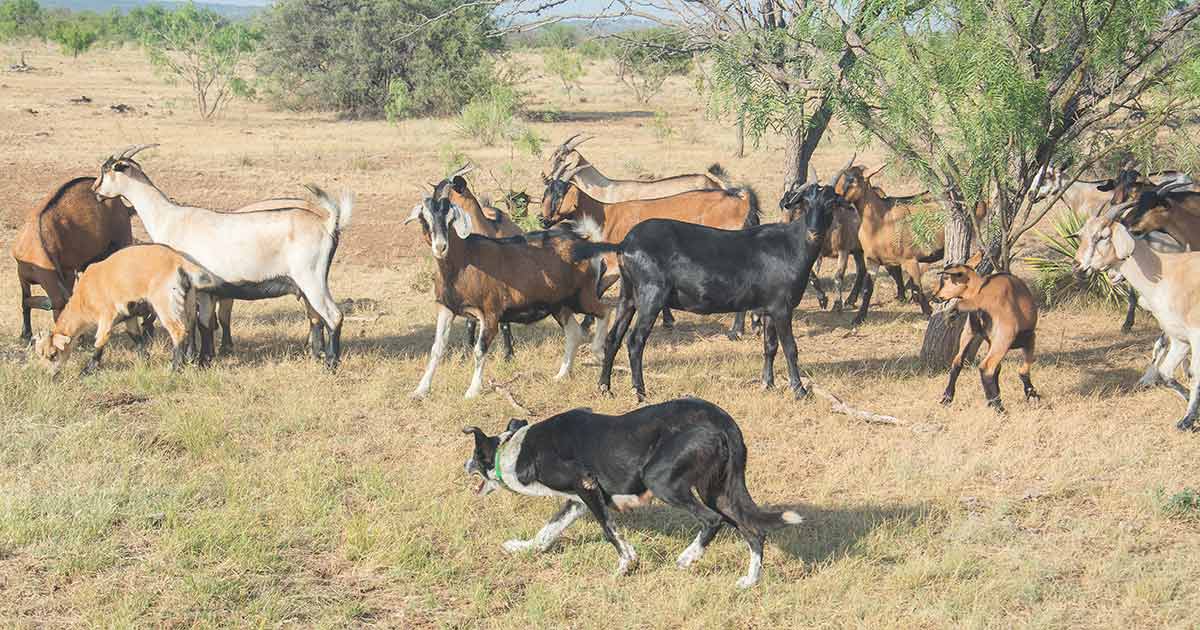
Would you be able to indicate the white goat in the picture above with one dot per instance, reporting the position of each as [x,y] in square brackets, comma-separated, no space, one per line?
[282,247]
[1168,285]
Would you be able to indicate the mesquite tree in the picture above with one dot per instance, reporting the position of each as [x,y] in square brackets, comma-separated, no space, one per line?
[978,98]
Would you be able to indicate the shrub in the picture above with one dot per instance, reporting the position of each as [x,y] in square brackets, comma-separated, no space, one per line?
[384,57]
[75,36]
[490,118]
[566,66]
[1055,271]
[1183,504]
[20,19]
[644,59]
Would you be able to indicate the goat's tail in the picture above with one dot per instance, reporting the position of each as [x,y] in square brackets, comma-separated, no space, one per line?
[592,244]
[754,213]
[188,284]
[741,504]
[340,210]
[720,176]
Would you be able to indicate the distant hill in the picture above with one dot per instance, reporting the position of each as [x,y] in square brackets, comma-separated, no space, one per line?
[234,11]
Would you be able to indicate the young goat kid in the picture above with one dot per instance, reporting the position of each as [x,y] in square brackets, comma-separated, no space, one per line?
[519,279]
[705,270]
[1001,311]
[130,283]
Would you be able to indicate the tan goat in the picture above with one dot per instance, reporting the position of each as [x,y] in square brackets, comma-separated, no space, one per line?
[131,282]
[1001,311]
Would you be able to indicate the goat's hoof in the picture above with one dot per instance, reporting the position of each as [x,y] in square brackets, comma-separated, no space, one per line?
[641,397]
[768,385]
[800,393]
[26,337]
[997,407]
[947,399]
[418,394]
[823,303]
[857,321]
[734,335]
[837,307]
[745,582]
[1033,396]
[668,325]
[471,394]
[1187,424]
[626,565]
[1127,329]
[1146,383]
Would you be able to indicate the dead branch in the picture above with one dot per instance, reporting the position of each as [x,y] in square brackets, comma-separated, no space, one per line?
[502,389]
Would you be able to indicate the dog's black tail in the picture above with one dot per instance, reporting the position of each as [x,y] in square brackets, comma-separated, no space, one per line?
[744,509]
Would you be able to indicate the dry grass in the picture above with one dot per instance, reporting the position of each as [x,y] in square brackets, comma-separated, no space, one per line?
[267,492]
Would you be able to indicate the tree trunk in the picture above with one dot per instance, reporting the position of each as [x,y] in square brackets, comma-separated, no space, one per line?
[941,335]
[741,136]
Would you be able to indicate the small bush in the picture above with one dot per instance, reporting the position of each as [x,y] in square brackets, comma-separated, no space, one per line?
[644,59]
[74,36]
[490,118]
[1055,271]
[663,131]
[566,66]
[1182,504]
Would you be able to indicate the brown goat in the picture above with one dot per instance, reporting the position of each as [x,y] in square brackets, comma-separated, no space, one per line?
[64,233]
[519,279]
[1000,310]
[886,235]
[130,283]
[485,221]
[727,209]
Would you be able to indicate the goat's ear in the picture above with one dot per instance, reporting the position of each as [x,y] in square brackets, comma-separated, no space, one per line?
[516,424]
[415,214]
[974,260]
[462,221]
[459,184]
[60,341]
[1107,186]
[1122,241]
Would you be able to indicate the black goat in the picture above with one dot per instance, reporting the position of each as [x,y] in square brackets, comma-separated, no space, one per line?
[706,270]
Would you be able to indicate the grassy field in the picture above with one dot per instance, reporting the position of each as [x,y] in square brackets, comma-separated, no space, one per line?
[267,492]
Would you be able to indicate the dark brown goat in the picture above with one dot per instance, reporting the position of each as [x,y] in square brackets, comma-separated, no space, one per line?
[64,233]
[1001,310]
[520,279]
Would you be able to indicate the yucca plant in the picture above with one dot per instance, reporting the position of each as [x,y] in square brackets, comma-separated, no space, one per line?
[1055,277]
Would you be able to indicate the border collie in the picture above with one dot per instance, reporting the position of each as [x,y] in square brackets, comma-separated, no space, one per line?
[687,453]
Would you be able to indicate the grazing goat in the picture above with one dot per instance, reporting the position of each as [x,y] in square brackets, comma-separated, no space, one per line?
[485,221]
[731,209]
[1168,286]
[597,186]
[61,236]
[519,279]
[1001,311]
[130,283]
[841,244]
[705,270]
[886,233]
[275,248]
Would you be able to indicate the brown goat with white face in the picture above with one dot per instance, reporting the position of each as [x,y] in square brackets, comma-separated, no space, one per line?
[62,235]
[1000,310]
[521,279]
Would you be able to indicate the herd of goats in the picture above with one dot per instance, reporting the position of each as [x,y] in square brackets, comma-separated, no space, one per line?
[691,242]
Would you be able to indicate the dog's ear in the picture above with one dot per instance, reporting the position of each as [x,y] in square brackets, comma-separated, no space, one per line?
[480,437]
[516,424]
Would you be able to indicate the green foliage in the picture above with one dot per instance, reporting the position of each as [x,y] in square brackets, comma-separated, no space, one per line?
[491,118]
[1055,271]
[557,36]
[378,57]
[75,36]
[1184,504]
[22,19]
[204,50]
[925,225]
[663,131]
[566,66]
[643,60]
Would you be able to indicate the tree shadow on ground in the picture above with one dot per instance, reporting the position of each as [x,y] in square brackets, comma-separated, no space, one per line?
[586,116]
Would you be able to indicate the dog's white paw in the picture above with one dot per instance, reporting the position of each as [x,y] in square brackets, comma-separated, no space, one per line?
[516,546]
[689,556]
[746,582]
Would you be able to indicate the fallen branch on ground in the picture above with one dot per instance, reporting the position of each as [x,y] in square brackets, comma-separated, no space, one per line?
[502,389]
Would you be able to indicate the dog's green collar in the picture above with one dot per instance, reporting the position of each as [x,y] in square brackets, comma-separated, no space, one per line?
[496,463]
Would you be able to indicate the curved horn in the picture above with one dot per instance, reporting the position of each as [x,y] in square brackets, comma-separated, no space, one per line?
[134,150]
[462,170]
[842,172]
[1171,187]
[569,175]
[571,146]
[1117,212]
[878,170]
[563,149]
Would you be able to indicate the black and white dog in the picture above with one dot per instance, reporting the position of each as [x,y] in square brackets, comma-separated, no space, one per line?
[688,453]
